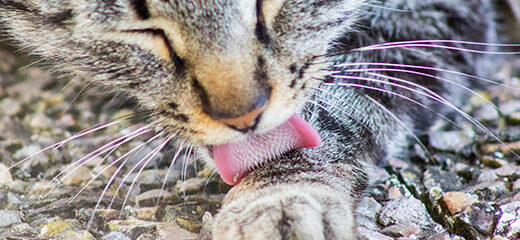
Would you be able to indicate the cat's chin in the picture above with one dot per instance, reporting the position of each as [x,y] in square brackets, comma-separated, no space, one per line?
[235,160]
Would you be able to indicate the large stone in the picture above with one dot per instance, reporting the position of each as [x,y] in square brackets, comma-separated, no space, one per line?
[405,211]
[55,228]
[509,221]
[476,221]
[366,212]
[9,218]
[452,141]
[489,191]
[22,229]
[510,107]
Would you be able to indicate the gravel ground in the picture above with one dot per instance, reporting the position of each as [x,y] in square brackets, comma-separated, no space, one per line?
[465,185]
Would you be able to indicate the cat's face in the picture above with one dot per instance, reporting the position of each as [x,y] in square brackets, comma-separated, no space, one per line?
[194,63]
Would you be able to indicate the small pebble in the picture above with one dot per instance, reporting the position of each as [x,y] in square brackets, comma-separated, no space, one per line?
[394,193]
[510,107]
[108,214]
[165,231]
[190,186]
[146,213]
[77,175]
[366,234]
[493,162]
[52,229]
[407,230]
[132,227]
[75,235]
[5,175]
[10,107]
[455,202]
[150,198]
[41,121]
[440,236]
[506,171]
[487,176]
[114,235]
[516,186]
[106,171]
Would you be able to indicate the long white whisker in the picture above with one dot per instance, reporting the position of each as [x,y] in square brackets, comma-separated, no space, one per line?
[400,122]
[111,180]
[148,159]
[429,94]
[436,46]
[105,148]
[110,165]
[368,70]
[440,41]
[172,163]
[375,89]
[186,163]
[184,168]
[395,94]
[336,107]
[424,68]
[63,142]
[444,101]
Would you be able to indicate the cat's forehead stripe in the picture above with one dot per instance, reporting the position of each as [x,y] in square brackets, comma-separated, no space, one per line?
[140,8]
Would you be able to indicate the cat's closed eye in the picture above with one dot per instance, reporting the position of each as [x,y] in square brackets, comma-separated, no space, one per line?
[152,39]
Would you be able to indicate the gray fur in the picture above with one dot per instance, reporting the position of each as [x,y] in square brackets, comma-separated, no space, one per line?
[304,194]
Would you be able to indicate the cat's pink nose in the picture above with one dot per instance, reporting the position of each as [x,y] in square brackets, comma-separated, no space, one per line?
[246,122]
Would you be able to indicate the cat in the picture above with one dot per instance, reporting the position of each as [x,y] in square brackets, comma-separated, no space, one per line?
[293,101]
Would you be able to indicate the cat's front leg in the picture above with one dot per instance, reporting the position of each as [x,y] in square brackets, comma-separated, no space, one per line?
[285,209]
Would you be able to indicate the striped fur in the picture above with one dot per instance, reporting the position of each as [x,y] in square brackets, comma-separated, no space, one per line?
[164,54]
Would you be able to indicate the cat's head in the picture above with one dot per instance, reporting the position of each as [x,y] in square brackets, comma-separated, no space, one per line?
[209,71]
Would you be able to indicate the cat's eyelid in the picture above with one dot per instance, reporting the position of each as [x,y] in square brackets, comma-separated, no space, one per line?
[165,50]
[158,26]
[153,39]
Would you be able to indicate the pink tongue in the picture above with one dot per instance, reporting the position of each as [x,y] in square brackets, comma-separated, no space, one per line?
[234,160]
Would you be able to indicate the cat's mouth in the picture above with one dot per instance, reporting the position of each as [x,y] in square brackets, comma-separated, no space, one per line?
[235,160]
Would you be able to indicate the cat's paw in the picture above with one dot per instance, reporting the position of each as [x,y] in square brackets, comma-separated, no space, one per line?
[286,213]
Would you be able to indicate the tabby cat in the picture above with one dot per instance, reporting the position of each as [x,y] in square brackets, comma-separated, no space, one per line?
[292,100]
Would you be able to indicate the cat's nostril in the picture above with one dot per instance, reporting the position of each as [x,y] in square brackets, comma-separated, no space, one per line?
[245,123]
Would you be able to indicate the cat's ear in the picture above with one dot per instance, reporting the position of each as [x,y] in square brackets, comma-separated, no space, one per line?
[43,26]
